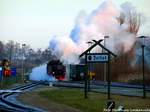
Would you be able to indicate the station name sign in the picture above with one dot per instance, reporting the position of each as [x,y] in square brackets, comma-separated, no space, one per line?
[97,57]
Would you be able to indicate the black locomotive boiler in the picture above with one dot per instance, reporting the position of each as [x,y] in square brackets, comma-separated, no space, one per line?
[56,69]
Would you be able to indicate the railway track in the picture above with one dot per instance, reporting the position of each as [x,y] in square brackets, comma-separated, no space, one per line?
[80,84]
[8,106]
[126,89]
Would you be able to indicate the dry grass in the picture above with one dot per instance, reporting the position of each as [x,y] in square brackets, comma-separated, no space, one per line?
[72,100]
[34,99]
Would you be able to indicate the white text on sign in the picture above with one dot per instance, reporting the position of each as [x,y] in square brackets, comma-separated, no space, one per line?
[97,57]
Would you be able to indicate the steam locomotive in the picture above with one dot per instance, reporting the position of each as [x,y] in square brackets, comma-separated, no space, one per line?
[56,69]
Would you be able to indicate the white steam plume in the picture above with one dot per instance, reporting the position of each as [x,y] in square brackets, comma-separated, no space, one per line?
[39,74]
[108,20]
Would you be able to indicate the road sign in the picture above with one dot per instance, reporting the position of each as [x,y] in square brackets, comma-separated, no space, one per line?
[13,71]
[97,57]
[7,73]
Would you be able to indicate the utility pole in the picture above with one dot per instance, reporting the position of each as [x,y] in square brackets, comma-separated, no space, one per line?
[143,65]
[23,45]
[143,69]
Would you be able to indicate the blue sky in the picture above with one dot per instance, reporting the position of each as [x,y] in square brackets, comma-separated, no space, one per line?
[34,21]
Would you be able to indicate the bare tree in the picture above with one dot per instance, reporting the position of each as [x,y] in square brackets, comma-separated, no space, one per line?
[10,49]
[132,18]
[2,50]
[134,22]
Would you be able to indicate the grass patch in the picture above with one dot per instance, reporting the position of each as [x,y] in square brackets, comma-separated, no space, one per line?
[96,102]
[74,98]
[9,81]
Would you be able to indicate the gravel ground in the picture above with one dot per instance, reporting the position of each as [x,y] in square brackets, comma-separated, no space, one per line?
[33,99]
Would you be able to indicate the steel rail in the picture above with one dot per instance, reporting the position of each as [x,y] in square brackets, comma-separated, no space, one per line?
[12,107]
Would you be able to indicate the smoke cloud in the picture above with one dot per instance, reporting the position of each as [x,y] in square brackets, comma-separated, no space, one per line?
[106,20]
[40,74]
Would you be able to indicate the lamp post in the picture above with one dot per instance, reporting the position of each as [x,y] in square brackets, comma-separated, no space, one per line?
[105,37]
[143,65]
[23,45]
[30,54]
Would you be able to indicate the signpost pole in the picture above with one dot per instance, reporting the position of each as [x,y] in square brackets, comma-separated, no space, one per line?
[108,77]
[85,85]
[143,64]
[88,77]
[89,67]
[88,73]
